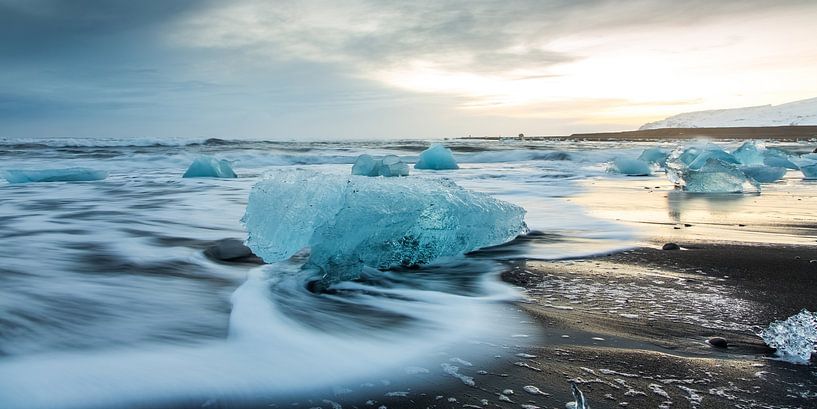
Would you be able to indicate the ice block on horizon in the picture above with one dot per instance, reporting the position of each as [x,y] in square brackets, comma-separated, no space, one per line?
[349,222]
[436,157]
[794,338]
[210,167]
[53,175]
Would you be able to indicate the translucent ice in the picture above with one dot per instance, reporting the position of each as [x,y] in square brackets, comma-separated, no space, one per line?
[779,162]
[795,338]
[764,174]
[809,171]
[580,402]
[630,167]
[54,175]
[390,165]
[714,176]
[708,154]
[655,155]
[349,222]
[749,153]
[209,167]
[436,157]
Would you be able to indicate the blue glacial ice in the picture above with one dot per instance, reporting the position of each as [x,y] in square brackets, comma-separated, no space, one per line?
[436,157]
[54,175]
[630,167]
[657,156]
[750,153]
[348,222]
[711,176]
[764,174]
[209,167]
[809,171]
[389,166]
[794,338]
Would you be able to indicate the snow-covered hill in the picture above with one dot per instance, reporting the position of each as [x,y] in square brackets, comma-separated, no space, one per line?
[802,112]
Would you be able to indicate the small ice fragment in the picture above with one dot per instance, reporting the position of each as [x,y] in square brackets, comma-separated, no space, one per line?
[630,167]
[764,174]
[54,175]
[507,392]
[809,171]
[597,339]
[795,338]
[209,167]
[630,316]
[579,402]
[332,404]
[436,157]
[525,365]
[388,166]
[534,390]
[391,166]
[366,165]
[654,155]
[529,406]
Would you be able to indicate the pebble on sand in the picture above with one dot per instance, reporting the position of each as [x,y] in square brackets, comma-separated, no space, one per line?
[670,246]
[718,342]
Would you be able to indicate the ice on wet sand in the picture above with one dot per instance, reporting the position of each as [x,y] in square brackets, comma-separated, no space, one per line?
[794,338]
[351,221]
[210,167]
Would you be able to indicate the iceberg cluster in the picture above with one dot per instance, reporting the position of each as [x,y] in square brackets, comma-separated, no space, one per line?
[54,175]
[389,166]
[436,157]
[795,338]
[349,222]
[708,168]
[209,167]
[630,167]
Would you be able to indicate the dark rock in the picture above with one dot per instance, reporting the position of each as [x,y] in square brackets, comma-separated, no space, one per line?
[687,225]
[814,151]
[671,246]
[718,342]
[228,250]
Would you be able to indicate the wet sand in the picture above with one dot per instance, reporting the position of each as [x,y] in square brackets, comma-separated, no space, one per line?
[631,328]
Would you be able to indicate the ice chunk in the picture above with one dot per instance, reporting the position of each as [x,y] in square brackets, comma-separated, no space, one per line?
[706,155]
[54,175]
[366,165]
[630,167]
[749,153]
[809,171]
[351,221]
[436,157]
[390,165]
[764,174]
[655,155]
[209,167]
[779,162]
[714,176]
[795,338]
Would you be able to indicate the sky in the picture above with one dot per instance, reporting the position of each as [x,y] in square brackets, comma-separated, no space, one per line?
[390,69]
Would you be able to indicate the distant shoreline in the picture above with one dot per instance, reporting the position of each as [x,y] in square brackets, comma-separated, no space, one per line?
[781,133]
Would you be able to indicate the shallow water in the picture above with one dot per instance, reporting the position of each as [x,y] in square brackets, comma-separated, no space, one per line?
[107,299]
